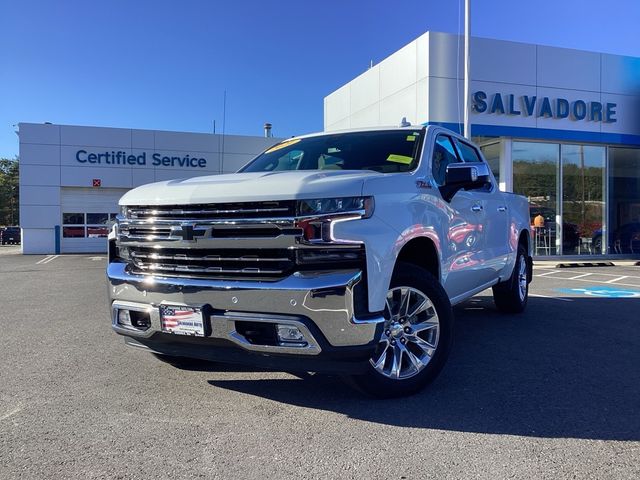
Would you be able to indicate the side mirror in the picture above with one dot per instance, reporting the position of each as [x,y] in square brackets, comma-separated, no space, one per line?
[464,176]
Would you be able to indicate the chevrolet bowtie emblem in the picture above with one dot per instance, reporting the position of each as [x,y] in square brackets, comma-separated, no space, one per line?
[187,232]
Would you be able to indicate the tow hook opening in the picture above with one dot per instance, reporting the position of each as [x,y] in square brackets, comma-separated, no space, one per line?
[136,319]
[272,334]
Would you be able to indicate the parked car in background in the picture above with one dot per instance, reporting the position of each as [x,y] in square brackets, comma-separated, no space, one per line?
[10,236]
[626,239]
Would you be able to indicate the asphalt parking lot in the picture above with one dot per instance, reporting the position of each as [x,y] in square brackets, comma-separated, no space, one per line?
[552,393]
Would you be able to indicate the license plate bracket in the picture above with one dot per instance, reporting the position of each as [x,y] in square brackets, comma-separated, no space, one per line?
[183,320]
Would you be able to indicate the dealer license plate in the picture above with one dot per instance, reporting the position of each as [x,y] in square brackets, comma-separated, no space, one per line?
[181,320]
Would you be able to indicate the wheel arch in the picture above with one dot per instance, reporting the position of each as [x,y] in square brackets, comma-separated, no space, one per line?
[421,251]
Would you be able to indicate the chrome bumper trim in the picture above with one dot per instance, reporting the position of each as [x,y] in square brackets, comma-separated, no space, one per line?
[325,298]
[222,326]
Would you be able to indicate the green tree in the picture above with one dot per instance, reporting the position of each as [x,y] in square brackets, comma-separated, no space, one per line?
[9,192]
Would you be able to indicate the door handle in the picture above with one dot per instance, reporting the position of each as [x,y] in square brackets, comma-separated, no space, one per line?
[502,208]
[476,208]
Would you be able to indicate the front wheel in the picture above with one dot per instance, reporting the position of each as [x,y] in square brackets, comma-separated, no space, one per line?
[416,339]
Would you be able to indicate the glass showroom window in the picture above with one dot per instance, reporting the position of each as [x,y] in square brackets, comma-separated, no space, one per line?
[535,175]
[491,154]
[73,225]
[624,200]
[583,194]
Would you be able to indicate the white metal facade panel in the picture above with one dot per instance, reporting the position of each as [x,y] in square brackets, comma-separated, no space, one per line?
[337,106]
[365,90]
[400,105]
[398,71]
[488,62]
[566,68]
[620,74]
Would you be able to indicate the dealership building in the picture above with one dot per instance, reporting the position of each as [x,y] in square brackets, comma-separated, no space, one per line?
[71,177]
[559,126]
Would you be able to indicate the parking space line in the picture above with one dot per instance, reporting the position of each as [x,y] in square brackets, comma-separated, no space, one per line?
[580,276]
[614,280]
[549,296]
[51,259]
[547,273]
[45,259]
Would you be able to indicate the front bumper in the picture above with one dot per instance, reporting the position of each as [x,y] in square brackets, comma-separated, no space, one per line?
[320,304]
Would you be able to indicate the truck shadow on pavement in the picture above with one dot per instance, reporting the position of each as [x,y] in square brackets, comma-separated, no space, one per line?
[562,370]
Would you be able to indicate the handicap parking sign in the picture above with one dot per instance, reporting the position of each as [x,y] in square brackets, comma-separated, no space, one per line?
[603,291]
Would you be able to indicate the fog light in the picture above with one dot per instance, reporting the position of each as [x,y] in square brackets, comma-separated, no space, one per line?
[124,318]
[289,334]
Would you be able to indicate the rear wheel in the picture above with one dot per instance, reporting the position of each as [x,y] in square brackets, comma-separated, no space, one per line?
[511,295]
[416,338]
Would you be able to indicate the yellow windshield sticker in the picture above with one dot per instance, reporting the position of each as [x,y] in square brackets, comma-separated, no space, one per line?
[411,138]
[284,144]
[399,159]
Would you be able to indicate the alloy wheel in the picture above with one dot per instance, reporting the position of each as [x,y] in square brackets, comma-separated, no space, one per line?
[410,336]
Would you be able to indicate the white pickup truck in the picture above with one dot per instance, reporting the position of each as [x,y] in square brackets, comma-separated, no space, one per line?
[335,252]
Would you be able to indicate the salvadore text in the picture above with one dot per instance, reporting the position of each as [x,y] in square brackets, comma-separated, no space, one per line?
[155,159]
[544,107]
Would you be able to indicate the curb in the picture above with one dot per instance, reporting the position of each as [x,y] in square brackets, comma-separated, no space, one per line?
[587,264]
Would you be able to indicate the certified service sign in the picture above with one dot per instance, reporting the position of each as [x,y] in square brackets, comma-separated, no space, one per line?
[143,159]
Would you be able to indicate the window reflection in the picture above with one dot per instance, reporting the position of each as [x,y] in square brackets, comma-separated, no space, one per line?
[535,175]
[491,154]
[624,200]
[582,199]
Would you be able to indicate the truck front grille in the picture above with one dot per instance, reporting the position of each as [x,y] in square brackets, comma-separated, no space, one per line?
[148,225]
[212,262]
[254,240]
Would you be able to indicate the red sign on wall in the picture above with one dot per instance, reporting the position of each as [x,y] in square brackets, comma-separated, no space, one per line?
[97,182]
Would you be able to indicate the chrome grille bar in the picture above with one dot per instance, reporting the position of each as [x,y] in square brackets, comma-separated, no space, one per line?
[214,211]
[239,240]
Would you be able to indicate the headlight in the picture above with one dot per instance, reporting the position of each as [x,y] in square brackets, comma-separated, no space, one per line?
[123,253]
[327,206]
[123,210]
[318,216]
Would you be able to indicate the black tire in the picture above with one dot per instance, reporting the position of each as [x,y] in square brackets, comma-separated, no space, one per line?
[508,295]
[378,385]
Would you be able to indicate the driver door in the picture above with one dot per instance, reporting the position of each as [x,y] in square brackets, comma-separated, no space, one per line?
[463,249]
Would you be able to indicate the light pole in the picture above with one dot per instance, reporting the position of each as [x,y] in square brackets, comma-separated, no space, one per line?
[467,67]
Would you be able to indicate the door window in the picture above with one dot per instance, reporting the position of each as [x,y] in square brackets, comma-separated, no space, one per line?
[467,152]
[443,154]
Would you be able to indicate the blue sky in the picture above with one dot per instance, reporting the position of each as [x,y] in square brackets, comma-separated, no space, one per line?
[165,65]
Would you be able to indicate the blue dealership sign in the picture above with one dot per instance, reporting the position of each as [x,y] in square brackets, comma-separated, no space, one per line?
[545,107]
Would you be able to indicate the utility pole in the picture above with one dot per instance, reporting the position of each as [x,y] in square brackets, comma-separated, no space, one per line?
[467,67]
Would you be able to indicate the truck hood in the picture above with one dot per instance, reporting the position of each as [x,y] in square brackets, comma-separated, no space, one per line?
[252,186]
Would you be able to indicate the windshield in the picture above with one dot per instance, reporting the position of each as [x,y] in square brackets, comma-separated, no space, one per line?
[388,151]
